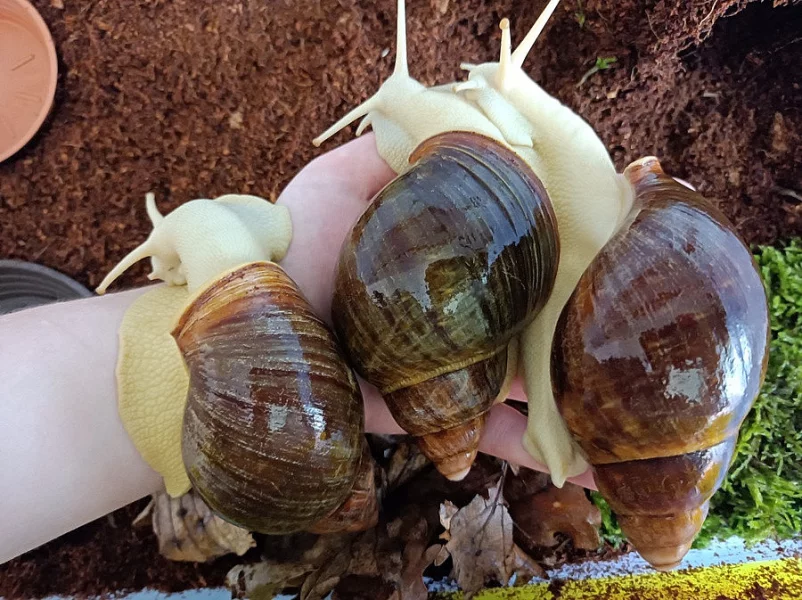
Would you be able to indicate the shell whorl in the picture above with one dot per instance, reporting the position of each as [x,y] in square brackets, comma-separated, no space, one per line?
[273,428]
[448,263]
[658,357]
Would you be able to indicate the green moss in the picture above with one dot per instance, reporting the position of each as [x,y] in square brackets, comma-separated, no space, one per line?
[610,531]
[762,495]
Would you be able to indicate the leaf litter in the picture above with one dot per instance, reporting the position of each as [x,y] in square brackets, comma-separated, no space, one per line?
[496,527]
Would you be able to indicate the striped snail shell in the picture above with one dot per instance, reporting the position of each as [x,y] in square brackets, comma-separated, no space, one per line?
[445,267]
[658,357]
[273,429]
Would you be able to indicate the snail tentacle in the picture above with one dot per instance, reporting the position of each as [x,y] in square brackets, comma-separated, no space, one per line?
[153,211]
[404,113]
[520,53]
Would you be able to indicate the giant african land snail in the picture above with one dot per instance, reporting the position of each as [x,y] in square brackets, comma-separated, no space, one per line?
[656,317]
[231,384]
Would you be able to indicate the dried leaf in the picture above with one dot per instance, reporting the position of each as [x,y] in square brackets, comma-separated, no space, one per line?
[364,559]
[442,556]
[265,580]
[187,530]
[447,512]
[268,578]
[523,568]
[388,562]
[142,518]
[417,556]
[383,563]
[525,483]
[321,582]
[479,541]
[406,462]
[567,511]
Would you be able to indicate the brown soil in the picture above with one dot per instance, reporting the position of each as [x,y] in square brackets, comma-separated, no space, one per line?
[197,98]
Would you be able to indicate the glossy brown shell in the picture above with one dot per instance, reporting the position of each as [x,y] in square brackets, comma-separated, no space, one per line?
[659,355]
[449,262]
[273,429]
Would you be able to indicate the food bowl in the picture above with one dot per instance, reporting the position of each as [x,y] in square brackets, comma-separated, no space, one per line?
[28,74]
[25,285]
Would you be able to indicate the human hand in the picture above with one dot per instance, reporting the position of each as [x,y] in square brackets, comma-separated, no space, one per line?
[325,199]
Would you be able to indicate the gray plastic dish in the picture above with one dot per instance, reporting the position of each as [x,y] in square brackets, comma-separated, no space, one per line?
[25,285]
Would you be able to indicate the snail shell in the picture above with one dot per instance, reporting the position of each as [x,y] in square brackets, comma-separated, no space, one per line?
[448,263]
[658,357]
[273,429]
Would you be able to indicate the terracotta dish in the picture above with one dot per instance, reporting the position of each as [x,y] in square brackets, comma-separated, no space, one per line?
[28,73]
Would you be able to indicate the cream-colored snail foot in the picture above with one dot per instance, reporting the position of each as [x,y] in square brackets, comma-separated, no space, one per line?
[547,438]
[663,541]
[453,450]
[152,383]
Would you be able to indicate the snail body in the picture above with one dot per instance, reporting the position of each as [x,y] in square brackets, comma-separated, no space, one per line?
[430,320]
[659,355]
[188,248]
[556,146]
[229,383]
[659,476]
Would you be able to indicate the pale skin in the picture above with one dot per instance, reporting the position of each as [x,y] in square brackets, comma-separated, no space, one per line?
[65,457]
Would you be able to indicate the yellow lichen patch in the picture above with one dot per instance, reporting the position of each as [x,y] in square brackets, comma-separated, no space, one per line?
[769,580]
[152,383]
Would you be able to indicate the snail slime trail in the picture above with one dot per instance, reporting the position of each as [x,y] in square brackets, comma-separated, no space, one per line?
[625,322]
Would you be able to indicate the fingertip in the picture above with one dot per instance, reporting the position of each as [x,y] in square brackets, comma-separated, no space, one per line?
[504,430]
[584,480]
[378,418]
[358,160]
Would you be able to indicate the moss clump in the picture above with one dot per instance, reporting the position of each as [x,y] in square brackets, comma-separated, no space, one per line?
[762,494]
[610,531]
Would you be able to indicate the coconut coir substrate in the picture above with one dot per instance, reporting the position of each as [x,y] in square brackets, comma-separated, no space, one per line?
[198,98]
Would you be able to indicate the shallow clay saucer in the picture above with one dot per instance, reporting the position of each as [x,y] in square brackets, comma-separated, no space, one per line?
[25,285]
[28,74]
